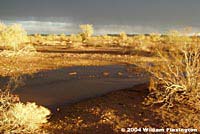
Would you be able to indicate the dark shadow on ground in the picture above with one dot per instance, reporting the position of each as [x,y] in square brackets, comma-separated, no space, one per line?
[93,50]
[72,84]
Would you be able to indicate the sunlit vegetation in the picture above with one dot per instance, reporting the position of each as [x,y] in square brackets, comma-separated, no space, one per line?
[87,31]
[174,82]
[15,116]
[18,118]
[12,36]
[175,79]
[86,38]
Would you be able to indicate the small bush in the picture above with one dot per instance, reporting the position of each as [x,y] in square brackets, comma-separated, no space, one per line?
[19,118]
[87,31]
[175,82]
[123,39]
[12,36]
[176,79]
[27,118]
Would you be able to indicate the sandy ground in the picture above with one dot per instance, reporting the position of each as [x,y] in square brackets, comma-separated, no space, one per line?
[107,114]
[48,59]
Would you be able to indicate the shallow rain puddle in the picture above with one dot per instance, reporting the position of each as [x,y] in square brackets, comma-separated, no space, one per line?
[72,84]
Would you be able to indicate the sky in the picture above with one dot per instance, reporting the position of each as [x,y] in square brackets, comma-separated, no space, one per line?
[107,16]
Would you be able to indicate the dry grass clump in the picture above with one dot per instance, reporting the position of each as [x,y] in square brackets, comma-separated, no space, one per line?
[19,118]
[26,118]
[175,82]
[176,79]
[16,117]
[28,50]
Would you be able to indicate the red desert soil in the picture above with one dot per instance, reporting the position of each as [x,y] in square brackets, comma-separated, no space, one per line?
[102,115]
[106,114]
[48,60]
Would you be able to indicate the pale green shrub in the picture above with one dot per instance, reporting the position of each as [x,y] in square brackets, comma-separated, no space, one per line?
[12,36]
[87,31]
[27,118]
[19,118]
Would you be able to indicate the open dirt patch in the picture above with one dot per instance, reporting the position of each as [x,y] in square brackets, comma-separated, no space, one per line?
[106,114]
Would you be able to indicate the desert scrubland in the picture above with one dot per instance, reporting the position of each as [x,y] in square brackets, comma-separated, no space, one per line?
[170,99]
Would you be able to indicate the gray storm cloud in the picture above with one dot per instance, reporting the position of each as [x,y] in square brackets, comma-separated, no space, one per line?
[107,16]
[49,26]
[68,27]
